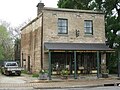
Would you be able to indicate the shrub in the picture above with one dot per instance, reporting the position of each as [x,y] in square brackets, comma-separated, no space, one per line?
[43,71]
[35,75]
[64,72]
[24,71]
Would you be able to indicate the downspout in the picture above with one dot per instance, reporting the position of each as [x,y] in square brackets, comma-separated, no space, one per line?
[42,42]
[22,60]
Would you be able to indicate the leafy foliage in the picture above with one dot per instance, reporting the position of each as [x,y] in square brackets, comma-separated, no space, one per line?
[64,72]
[6,44]
[74,4]
[43,71]
[35,75]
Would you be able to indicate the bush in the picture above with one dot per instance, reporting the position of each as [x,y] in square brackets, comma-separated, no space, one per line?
[35,75]
[24,71]
[43,71]
[64,72]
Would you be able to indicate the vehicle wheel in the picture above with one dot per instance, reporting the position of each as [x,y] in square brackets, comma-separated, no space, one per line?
[7,73]
[19,73]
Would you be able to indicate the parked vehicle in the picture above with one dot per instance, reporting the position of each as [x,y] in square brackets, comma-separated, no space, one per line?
[11,67]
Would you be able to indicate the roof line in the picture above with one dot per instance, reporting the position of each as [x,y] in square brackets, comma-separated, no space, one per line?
[31,22]
[73,10]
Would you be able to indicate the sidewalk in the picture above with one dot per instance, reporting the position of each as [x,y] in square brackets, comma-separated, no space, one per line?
[78,83]
[57,82]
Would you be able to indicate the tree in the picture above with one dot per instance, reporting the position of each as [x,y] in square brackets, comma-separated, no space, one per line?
[113,20]
[74,4]
[10,40]
[6,44]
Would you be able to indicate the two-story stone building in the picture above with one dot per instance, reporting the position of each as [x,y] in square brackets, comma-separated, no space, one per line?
[64,38]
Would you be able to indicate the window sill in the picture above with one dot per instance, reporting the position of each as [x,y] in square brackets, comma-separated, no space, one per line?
[88,35]
[63,35]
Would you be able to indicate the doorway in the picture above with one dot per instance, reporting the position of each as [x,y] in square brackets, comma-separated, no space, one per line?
[29,63]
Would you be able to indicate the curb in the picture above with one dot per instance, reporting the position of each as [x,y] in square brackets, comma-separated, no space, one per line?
[78,86]
[62,87]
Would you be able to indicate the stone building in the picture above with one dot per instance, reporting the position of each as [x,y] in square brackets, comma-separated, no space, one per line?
[64,38]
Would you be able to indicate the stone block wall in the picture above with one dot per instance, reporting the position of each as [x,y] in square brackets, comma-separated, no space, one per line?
[30,45]
[75,22]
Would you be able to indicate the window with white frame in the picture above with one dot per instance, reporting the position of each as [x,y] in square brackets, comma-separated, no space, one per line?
[88,27]
[62,26]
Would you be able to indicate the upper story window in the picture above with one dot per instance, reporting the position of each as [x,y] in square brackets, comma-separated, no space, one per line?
[62,26]
[88,27]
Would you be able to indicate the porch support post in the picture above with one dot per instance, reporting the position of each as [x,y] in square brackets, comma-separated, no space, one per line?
[119,63]
[49,60]
[75,66]
[98,65]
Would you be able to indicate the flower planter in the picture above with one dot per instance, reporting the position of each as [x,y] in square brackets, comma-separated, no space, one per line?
[64,77]
[104,75]
[43,76]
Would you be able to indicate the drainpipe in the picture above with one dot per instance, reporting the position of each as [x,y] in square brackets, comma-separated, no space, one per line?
[42,43]
[22,61]
[40,7]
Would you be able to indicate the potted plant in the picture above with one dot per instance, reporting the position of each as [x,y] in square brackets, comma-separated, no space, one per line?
[104,71]
[43,74]
[64,73]
[105,74]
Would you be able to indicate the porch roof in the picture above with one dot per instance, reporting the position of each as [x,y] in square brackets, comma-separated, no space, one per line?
[77,46]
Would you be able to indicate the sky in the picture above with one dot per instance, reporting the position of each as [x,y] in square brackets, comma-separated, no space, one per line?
[17,12]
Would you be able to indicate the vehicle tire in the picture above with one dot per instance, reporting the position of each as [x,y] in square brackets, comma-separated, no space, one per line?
[7,73]
[19,73]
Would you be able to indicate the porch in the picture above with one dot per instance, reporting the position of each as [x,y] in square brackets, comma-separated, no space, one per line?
[78,58]
[85,62]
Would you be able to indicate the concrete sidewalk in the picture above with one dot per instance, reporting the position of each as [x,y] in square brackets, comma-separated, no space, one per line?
[57,82]
[78,83]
